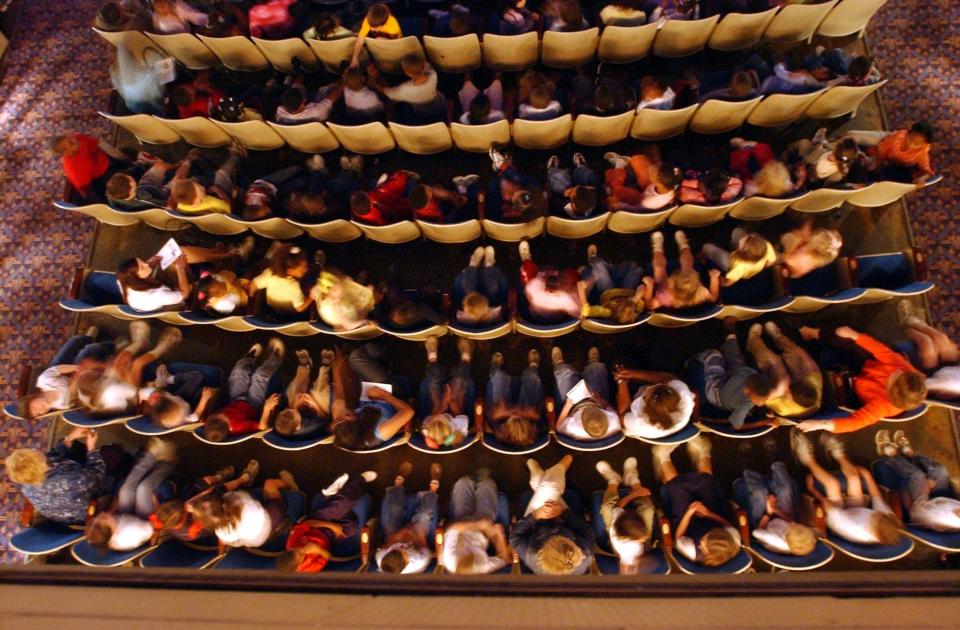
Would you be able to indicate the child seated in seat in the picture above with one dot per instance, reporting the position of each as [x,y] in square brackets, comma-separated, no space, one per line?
[481,107]
[516,18]
[682,288]
[751,254]
[222,292]
[512,196]
[580,188]
[387,202]
[481,289]
[702,532]
[655,94]
[378,23]
[406,548]
[439,204]
[87,163]
[618,288]
[190,196]
[308,405]
[248,394]
[295,108]
[362,103]
[661,406]
[641,183]
[453,22]
[564,16]
[343,303]
[540,105]
[197,98]
[272,19]
[444,397]
[806,249]
[551,294]
[628,520]
[282,281]
[514,420]
[674,10]
[147,183]
[327,27]
[247,522]
[592,417]
[176,399]
[901,156]
[712,188]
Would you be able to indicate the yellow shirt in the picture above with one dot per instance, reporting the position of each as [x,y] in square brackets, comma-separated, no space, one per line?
[207,204]
[391,28]
[743,270]
[283,293]
[786,407]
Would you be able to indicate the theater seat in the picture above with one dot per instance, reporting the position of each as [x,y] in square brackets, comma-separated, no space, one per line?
[797,22]
[236,52]
[679,38]
[626,44]
[186,49]
[280,53]
[738,31]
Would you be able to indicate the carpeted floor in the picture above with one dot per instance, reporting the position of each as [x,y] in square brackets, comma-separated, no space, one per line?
[55,79]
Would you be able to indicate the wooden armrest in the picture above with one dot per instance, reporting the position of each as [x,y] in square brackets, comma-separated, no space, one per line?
[666,535]
[920,265]
[438,538]
[77,282]
[222,548]
[743,525]
[23,381]
[846,272]
[27,513]
[155,538]
[481,205]
[779,277]
[853,269]
[512,302]
[93,507]
[478,422]
[551,408]
[366,534]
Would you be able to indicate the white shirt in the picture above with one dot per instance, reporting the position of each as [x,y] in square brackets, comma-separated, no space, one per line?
[253,529]
[185,411]
[628,549]
[415,93]
[417,559]
[774,536]
[317,112]
[153,299]
[116,397]
[572,426]
[362,100]
[471,543]
[554,108]
[637,424]
[944,383]
[51,380]
[853,523]
[663,102]
[495,115]
[130,532]
[688,548]
[941,514]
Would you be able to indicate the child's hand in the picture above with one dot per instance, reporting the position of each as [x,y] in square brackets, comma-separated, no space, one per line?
[271,403]
[91,440]
[714,274]
[377,393]
[335,529]
[845,332]
[208,393]
[771,505]
[181,262]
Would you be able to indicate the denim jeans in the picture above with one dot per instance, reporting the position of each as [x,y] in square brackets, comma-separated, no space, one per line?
[595,374]
[488,281]
[500,389]
[719,368]
[339,508]
[560,179]
[913,473]
[394,513]
[136,493]
[473,500]
[431,388]
[249,384]
[80,347]
[626,275]
[752,496]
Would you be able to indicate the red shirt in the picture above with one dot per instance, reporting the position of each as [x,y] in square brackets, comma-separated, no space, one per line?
[207,98]
[86,165]
[430,212]
[241,416]
[302,535]
[187,529]
[388,201]
[871,386]
[271,20]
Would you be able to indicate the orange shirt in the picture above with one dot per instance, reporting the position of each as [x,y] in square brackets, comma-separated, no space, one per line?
[302,535]
[871,386]
[890,150]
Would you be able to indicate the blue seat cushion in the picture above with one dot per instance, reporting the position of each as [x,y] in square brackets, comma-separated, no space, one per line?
[172,553]
[44,538]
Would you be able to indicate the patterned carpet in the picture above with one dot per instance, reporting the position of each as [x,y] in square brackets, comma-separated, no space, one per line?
[55,78]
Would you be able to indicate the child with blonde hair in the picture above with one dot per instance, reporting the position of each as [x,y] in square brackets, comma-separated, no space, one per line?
[682,288]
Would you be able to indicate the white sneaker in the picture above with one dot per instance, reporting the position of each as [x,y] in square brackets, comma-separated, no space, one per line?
[338,484]
[369,476]
[616,160]
[498,159]
[316,163]
[477,257]
[489,256]
[553,162]
[578,159]
[608,473]
[524,249]
[630,475]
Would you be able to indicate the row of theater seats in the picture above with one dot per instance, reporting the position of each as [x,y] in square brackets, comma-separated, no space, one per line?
[615,44]
[354,554]
[709,117]
[857,280]
[686,215]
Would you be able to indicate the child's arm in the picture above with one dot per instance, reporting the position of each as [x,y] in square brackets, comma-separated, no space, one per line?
[112,151]
[648,286]
[269,405]
[205,397]
[635,494]
[404,412]
[714,284]
[623,397]
[567,406]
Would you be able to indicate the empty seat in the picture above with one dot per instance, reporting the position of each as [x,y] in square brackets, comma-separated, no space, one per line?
[454,54]
[147,129]
[198,131]
[737,31]
[422,139]
[848,17]
[797,22]
[626,44]
[253,134]
[779,110]
[841,100]
[679,38]
[388,53]
[569,50]
[310,137]
[237,52]
[511,52]
[479,138]
[600,131]
[280,53]
[186,49]
[715,116]
[655,124]
[542,134]
[368,139]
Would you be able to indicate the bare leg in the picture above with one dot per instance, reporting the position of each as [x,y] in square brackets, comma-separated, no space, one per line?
[830,483]
[197,255]
[686,259]
[852,473]
[272,488]
[659,267]
[872,487]
[667,471]
[947,349]
[926,349]
[706,465]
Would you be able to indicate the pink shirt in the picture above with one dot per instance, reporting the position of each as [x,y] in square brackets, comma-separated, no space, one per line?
[550,304]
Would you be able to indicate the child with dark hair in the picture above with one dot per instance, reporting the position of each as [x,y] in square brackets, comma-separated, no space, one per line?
[661,406]
[512,196]
[514,420]
[540,105]
[296,108]
[628,519]
[148,182]
[406,548]
[711,188]
[640,183]
[388,201]
[361,103]
[564,16]
[247,522]
[516,18]
[250,407]
[327,26]
[655,93]
[454,21]
[481,107]
[196,98]
[283,281]
[439,204]
[580,188]
[902,155]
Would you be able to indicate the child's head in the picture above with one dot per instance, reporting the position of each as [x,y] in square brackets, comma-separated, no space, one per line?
[413,65]
[714,185]
[752,248]
[170,514]
[167,411]
[920,134]
[604,99]
[803,393]
[287,422]
[290,261]
[885,527]
[652,87]
[100,530]
[111,14]
[685,285]
[773,179]
[419,197]
[795,59]
[121,187]
[476,305]
[758,387]
[64,145]
[825,246]
[438,431]
[907,389]
[27,466]
[405,313]
[378,14]
[182,95]
[460,24]
[660,402]
[583,200]
[354,79]
[517,431]
[360,203]
[307,204]
[569,12]
[624,311]
[631,526]
[479,109]
[740,84]
[294,100]
[466,559]
[540,97]
[325,24]
[846,151]
[859,67]
[394,561]
[667,177]
[33,406]
[216,428]
[718,547]
[186,192]
[209,511]
[559,556]
[289,560]
[595,421]
[800,539]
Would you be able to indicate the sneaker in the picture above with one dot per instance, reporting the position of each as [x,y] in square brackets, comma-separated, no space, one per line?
[608,473]
[287,476]
[832,445]
[579,160]
[820,137]
[436,471]
[801,446]
[477,257]
[534,467]
[431,344]
[737,143]
[369,476]
[303,359]
[498,159]
[465,348]
[681,238]
[630,475]
[225,473]
[277,347]
[251,470]
[656,241]
[327,356]
[556,355]
[254,351]
[92,332]
[496,360]
[533,358]
[905,313]
[524,249]
[661,454]
[616,160]
[382,179]
[699,448]
[593,355]
[553,162]
[489,256]
[462,182]
[403,471]
[901,440]
[772,329]
[245,248]
[162,450]
[316,163]
[885,446]
[591,251]
[335,487]
[755,330]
